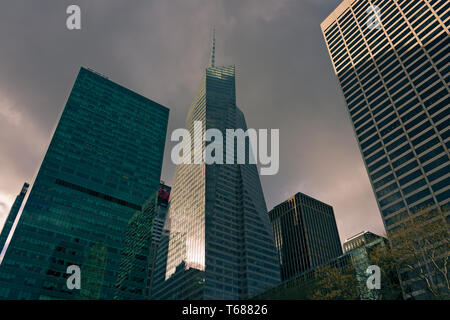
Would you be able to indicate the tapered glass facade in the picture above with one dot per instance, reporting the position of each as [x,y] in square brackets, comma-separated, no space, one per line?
[220,244]
[103,162]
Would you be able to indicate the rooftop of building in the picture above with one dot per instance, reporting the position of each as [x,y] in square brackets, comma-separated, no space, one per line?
[301,194]
[122,87]
[333,16]
[362,233]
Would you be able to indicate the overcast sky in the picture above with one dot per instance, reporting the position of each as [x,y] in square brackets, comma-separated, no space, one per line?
[160,49]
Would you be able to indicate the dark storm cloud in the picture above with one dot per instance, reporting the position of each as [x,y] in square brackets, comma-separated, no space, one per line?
[160,49]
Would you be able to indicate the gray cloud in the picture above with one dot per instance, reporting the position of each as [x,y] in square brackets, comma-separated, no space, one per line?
[3,208]
[160,49]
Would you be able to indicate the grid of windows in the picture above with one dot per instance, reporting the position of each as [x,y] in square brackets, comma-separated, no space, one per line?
[103,161]
[395,80]
[220,243]
[305,234]
[141,241]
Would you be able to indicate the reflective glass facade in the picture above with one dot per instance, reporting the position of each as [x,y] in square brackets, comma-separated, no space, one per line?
[395,80]
[305,234]
[141,241]
[103,162]
[220,244]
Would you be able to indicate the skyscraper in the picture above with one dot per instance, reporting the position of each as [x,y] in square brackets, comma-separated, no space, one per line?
[103,162]
[305,234]
[392,62]
[157,233]
[141,242]
[221,243]
[158,280]
[12,216]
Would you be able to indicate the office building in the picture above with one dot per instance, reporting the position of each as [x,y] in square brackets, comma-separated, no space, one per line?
[306,234]
[395,80]
[103,162]
[394,73]
[220,244]
[141,242]
[158,231]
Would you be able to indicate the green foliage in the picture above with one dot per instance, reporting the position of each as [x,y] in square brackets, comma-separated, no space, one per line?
[390,284]
[335,284]
[421,247]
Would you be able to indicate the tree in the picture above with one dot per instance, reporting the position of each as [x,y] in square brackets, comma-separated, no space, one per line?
[288,293]
[390,283]
[335,284]
[323,283]
[420,248]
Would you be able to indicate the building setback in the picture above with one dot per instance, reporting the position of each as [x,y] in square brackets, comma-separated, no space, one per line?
[395,80]
[103,162]
[305,234]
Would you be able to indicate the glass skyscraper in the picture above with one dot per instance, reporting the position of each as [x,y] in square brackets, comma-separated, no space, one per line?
[157,233]
[220,244]
[103,162]
[12,216]
[306,234]
[395,76]
[141,242]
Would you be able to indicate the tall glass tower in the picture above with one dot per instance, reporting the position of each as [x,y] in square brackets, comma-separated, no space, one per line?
[392,61]
[103,162]
[220,244]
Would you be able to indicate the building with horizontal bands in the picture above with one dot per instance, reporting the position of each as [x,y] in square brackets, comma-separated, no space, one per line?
[391,58]
[103,162]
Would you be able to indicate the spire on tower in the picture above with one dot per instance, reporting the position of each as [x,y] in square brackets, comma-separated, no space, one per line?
[213,49]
